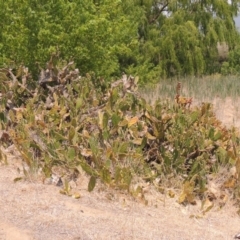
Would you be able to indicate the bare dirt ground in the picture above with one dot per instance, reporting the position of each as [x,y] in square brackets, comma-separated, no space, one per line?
[33,210]
[228,111]
[30,209]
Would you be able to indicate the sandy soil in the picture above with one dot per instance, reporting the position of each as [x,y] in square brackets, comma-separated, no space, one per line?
[31,209]
[227,110]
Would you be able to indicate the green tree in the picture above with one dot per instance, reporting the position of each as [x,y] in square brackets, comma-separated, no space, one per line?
[150,38]
[180,37]
[101,36]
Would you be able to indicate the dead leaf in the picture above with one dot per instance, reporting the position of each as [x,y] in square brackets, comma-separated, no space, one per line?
[149,136]
[132,121]
[207,206]
[230,183]
[137,141]
[76,195]
[86,152]
[171,194]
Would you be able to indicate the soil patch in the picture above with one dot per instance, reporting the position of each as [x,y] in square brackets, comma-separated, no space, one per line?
[33,210]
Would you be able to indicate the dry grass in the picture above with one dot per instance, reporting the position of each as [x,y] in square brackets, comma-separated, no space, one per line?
[222,91]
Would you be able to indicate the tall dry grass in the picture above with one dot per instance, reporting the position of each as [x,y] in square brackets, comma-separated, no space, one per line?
[222,91]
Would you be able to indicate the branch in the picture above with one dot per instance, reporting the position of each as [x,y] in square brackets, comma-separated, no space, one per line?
[19,84]
[158,13]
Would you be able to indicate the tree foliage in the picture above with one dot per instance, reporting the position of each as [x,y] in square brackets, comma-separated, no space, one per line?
[151,38]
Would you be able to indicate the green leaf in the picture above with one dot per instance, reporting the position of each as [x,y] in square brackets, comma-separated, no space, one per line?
[71,154]
[105,175]
[79,103]
[115,119]
[105,120]
[74,123]
[71,134]
[3,117]
[17,179]
[106,135]
[57,135]
[123,148]
[211,133]
[94,145]
[217,135]
[194,117]
[92,183]
[86,168]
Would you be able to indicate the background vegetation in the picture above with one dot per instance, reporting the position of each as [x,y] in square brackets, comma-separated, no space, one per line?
[149,38]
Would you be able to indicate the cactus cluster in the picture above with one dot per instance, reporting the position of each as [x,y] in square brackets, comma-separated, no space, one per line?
[109,131]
